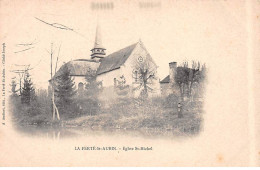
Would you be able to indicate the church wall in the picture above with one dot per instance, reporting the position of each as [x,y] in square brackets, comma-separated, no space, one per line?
[130,66]
[109,93]
[126,70]
[108,78]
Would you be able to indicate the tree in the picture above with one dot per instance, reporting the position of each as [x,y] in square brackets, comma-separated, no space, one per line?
[144,73]
[28,92]
[186,78]
[13,88]
[64,90]
[122,89]
[54,107]
[194,75]
[202,78]
[203,74]
[89,102]
[93,87]
[181,78]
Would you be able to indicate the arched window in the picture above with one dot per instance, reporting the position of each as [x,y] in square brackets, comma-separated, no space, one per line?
[80,85]
[136,75]
[115,84]
[80,88]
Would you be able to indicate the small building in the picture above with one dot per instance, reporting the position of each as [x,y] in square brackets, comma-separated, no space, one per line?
[168,85]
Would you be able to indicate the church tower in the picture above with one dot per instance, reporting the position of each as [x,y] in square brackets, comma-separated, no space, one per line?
[98,52]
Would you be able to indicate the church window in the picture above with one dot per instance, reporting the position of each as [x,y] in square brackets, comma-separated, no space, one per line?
[136,76]
[140,59]
[115,84]
[80,85]
[80,88]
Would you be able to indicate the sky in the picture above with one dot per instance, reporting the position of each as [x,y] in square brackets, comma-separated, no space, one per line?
[205,31]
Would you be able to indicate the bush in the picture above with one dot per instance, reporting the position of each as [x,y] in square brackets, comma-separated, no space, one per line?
[171,101]
[87,106]
[37,112]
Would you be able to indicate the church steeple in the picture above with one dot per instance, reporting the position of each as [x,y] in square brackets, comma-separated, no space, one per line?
[98,51]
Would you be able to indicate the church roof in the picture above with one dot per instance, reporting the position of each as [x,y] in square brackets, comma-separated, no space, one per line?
[115,60]
[79,67]
[166,79]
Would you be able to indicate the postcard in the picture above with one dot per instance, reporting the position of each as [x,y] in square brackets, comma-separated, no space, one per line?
[130,83]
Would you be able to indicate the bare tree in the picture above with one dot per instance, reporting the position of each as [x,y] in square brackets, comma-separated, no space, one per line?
[186,78]
[181,78]
[144,74]
[194,73]
[21,74]
[202,78]
[54,107]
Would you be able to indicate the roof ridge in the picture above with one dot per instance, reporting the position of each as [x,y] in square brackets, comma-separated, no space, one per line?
[86,60]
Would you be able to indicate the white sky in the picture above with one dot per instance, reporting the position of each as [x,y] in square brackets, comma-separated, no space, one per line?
[208,31]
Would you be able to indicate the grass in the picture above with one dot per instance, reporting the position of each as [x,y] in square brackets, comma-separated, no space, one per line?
[156,114]
[152,116]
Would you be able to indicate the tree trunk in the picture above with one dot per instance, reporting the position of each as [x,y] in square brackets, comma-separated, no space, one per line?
[53,105]
[190,92]
[182,91]
[58,115]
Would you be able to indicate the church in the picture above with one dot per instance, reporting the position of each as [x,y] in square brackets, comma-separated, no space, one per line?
[113,69]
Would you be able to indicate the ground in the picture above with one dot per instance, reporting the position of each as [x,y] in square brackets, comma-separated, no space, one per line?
[155,116]
[147,117]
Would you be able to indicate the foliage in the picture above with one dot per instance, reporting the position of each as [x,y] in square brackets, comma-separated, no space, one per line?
[155,114]
[88,102]
[150,117]
[171,101]
[64,91]
[190,79]
[93,87]
[28,92]
[37,113]
[121,88]
[87,106]
[13,87]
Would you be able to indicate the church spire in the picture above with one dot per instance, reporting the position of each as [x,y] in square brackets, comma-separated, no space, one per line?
[98,51]
[98,40]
